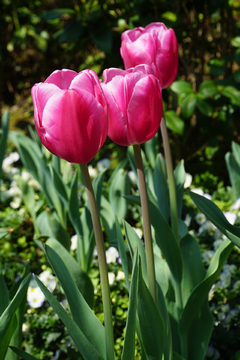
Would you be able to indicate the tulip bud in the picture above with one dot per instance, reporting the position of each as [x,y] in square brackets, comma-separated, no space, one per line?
[70,114]
[134,102]
[154,45]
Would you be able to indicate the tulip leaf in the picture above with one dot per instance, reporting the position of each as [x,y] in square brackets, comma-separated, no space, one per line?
[3,139]
[3,232]
[208,88]
[79,276]
[176,356]
[4,298]
[174,122]
[200,292]
[88,236]
[128,352]
[108,219]
[181,87]
[60,186]
[134,242]
[8,320]
[233,171]
[215,215]
[161,187]
[97,187]
[119,187]
[170,248]
[51,227]
[236,152]
[188,105]
[23,354]
[82,314]
[151,150]
[180,176]
[122,252]
[86,349]
[150,321]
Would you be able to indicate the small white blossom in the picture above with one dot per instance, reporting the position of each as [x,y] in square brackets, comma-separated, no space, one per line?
[231,217]
[225,278]
[35,297]
[103,164]
[208,255]
[73,242]
[120,275]
[236,286]
[236,205]
[217,244]
[139,232]
[9,160]
[16,202]
[200,218]
[132,177]
[92,171]
[112,254]
[198,191]
[48,280]
[111,278]
[188,181]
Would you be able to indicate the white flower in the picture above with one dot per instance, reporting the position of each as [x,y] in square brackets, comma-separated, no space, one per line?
[103,164]
[25,328]
[26,175]
[73,242]
[200,218]
[198,191]
[120,275]
[225,278]
[34,184]
[208,227]
[16,202]
[139,232]
[187,220]
[132,177]
[92,171]
[112,255]
[188,181]
[217,243]
[208,255]
[236,286]
[35,297]
[9,160]
[64,304]
[14,190]
[236,205]
[48,280]
[111,278]
[231,217]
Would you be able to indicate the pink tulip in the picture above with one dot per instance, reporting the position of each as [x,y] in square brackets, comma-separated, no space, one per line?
[70,114]
[156,46]
[134,102]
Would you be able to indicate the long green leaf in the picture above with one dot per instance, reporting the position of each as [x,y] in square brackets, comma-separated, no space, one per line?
[165,239]
[119,187]
[161,187]
[215,215]
[79,276]
[129,339]
[150,320]
[200,292]
[180,176]
[86,349]
[4,136]
[8,321]
[122,252]
[4,298]
[82,314]
[23,354]
[233,171]
[133,243]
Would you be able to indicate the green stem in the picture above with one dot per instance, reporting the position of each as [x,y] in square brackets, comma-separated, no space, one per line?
[146,222]
[171,180]
[107,308]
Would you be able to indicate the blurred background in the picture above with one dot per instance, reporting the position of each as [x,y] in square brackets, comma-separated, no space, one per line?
[38,37]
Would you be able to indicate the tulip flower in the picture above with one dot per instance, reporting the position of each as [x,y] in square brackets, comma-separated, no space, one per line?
[154,45]
[134,104]
[70,114]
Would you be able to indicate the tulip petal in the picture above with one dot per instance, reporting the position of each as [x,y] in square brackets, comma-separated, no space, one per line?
[109,74]
[61,78]
[144,110]
[71,121]
[141,51]
[41,93]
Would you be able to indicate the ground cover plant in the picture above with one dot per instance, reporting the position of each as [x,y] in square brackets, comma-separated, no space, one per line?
[186,305]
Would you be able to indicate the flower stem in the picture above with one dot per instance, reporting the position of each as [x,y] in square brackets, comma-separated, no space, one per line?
[146,222]
[107,308]
[171,180]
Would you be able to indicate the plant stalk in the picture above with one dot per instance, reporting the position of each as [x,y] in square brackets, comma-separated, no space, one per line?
[146,222]
[171,180]
[107,307]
